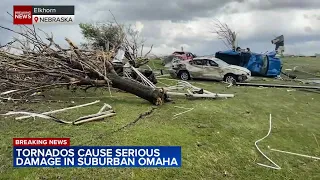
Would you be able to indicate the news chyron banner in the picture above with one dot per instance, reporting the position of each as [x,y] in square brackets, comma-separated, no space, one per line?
[57,152]
[42,14]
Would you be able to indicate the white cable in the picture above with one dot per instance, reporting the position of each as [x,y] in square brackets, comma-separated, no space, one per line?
[178,114]
[256,144]
[302,155]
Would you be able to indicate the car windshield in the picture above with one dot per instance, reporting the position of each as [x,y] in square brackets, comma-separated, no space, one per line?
[220,62]
[177,52]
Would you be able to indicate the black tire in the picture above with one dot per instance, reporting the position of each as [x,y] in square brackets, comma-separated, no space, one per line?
[230,78]
[184,75]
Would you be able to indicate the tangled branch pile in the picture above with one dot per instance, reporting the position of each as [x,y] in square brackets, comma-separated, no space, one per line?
[45,65]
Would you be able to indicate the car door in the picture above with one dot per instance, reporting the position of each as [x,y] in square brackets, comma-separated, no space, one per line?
[212,70]
[195,68]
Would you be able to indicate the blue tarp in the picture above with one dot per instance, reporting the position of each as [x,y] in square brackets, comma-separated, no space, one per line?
[259,64]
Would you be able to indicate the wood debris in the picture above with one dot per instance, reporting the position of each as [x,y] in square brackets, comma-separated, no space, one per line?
[43,64]
[193,91]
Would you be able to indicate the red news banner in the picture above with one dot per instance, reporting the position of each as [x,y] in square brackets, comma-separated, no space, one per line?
[41,141]
[42,14]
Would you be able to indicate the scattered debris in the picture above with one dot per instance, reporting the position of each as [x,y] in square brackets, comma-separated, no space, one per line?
[311,81]
[256,144]
[278,85]
[45,65]
[199,144]
[178,114]
[105,111]
[104,107]
[314,75]
[315,138]
[311,90]
[36,115]
[60,110]
[202,126]
[94,117]
[297,154]
[230,84]
[193,91]
[289,75]
[287,152]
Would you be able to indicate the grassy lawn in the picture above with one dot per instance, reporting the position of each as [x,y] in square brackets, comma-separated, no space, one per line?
[217,137]
[306,67]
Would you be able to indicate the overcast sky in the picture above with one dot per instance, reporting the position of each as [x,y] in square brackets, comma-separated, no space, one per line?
[170,24]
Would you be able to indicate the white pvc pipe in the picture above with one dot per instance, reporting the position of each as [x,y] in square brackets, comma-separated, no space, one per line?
[302,155]
[60,110]
[104,107]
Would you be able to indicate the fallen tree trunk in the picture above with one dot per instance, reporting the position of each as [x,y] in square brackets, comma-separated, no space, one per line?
[155,96]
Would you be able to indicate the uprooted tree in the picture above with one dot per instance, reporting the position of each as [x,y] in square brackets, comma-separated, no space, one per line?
[44,64]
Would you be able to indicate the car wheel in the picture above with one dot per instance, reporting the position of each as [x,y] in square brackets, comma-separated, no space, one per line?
[230,78]
[184,75]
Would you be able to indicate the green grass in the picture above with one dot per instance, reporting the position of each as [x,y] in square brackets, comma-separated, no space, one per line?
[306,67]
[155,64]
[217,137]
